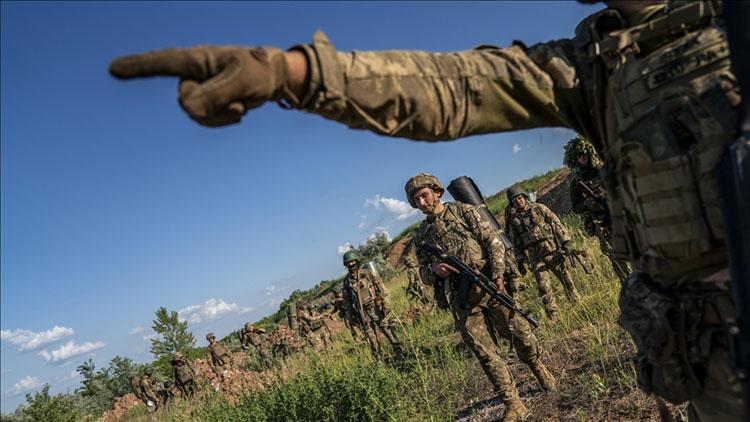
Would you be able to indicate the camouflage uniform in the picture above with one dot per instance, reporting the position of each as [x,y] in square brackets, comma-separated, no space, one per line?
[414,290]
[537,233]
[593,210]
[148,391]
[184,375]
[319,326]
[219,359]
[283,343]
[340,309]
[251,336]
[462,231]
[306,331]
[365,296]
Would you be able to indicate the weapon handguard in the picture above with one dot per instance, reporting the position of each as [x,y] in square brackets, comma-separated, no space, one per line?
[478,279]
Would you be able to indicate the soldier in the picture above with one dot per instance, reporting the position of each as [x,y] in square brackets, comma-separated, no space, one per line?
[588,197]
[135,385]
[184,375]
[538,234]
[365,296]
[414,290]
[460,230]
[148,390]
[305,322]
[650,86]
[168,392]
[318,325]
[251,336]
[340,309]
[220,359]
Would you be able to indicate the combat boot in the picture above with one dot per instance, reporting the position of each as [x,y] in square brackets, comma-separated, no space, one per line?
[515,410]
[545,378]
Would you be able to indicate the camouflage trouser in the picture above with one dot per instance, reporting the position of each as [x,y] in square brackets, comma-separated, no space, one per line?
[187,388]
[323,334]
[540,266]
[621,268]
[512,278]
[473,324]
[721,399]
[375,319]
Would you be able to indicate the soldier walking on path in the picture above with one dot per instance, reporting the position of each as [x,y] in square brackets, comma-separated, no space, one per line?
[460,230]
[589,198]
[649,83]
[538,234]
[366,297]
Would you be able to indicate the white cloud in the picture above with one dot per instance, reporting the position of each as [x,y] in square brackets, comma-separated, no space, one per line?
[148,337]
[380,230]
[210,309]
[362,222]
[137,330]
[70,350]
[516,148]
[29,340]
[342,249]
[26,384]
[400,209]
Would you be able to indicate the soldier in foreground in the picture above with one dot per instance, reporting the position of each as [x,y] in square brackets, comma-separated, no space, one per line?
[366,297]
[459,229]
[184,375]
[219,359]
[650,86]
[539,236]
[589,198]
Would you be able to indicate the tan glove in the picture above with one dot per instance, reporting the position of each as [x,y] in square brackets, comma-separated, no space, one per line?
[217,84]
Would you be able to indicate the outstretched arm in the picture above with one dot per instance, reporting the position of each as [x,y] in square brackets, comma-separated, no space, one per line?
[412,94]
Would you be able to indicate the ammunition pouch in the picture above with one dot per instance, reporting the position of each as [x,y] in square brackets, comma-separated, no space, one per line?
[663,325]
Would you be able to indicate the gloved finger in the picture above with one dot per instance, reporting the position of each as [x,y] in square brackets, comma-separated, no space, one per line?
[208,110]
[188,63]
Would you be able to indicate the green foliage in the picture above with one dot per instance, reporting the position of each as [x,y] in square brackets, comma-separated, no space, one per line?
[41,406]
[174,333]
[99,389]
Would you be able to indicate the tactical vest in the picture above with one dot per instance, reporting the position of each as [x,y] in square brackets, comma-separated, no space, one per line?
[362,288]
[183,373]
[664,98]
[533,229]
[450,232]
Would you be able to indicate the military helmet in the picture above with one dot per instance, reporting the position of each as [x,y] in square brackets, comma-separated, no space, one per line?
[419,181]
[248,325]
[310,307]
[514,191]
[209,336]
[168,384]
[580,146]
[148,371]
[351,255]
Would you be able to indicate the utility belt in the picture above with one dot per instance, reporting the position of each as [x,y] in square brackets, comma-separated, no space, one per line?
[675,331]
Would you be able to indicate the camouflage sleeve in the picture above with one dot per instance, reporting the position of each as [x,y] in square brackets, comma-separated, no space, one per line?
[443,96]
[561,233]
[488,239]
[348,301]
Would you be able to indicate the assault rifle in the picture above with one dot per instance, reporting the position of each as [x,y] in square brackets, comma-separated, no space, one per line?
[575,255]
[470,277]
[600,199]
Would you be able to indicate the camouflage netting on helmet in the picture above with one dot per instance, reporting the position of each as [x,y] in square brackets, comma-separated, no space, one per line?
[421,180]
[580,146]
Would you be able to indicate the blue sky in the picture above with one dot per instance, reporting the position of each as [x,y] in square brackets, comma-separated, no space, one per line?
[114,203]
